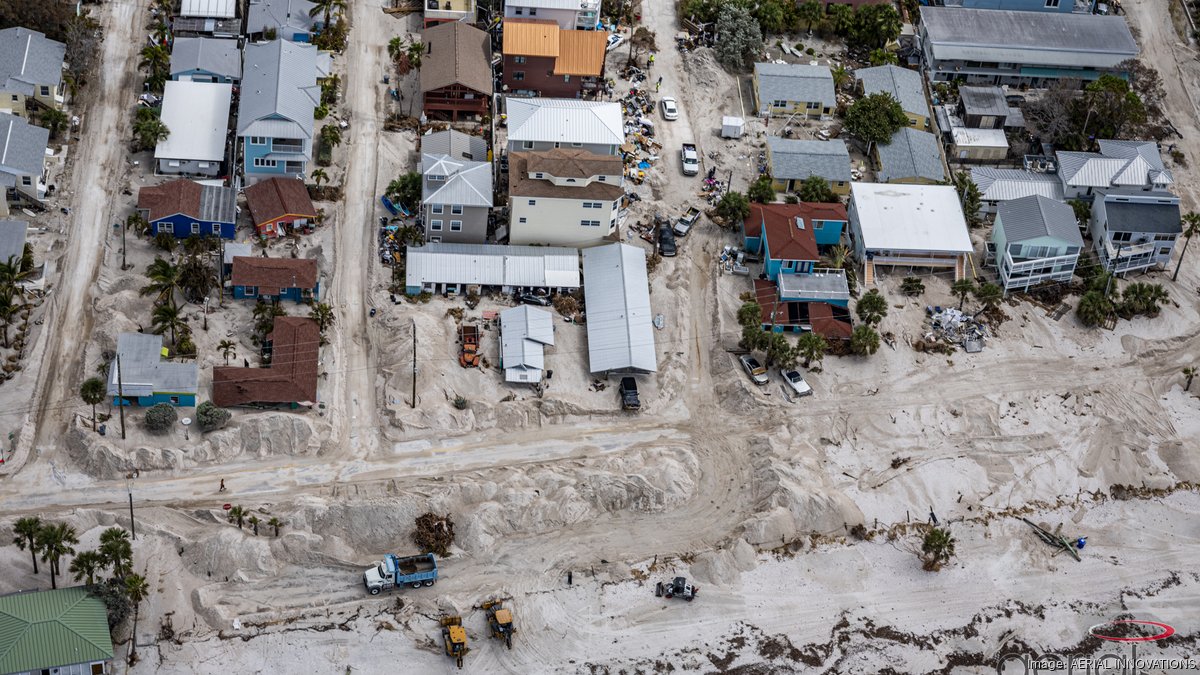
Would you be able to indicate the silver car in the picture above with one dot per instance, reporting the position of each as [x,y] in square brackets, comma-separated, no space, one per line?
[758,374]
[796,381]
[670,110]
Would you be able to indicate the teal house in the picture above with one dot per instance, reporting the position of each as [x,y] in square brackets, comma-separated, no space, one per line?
[144,378]
[1035,241]
[786,236]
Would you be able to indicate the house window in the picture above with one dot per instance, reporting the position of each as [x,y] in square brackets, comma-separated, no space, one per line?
[15,98]
[435,177]
[1072,250]
[251,291]
[577,145]
[533,11]
[522,220]
[1164,237]
[533,202]
[1051,3]
[616,204]
[812,106]
[162,227]
[566,78]
[456,226]
[519,60]
[264,163]
[437,208]
[435,240]
[435,225]
[26,181]
[570,180]
[45,91]
[195,228]
[539,175]
[174,400]
[590,223]
[258,140]
[526,145]
[216,229]
[602,179]
[1122,236]
[519,76]
[519,11]
[1164,251]
[456,209]
[778,104]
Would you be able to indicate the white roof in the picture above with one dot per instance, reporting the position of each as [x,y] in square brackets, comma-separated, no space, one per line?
[524,331]
[209,9]
[898,217]
[197,115]
[616,293]
[565,120]
[492,265]
[967,137]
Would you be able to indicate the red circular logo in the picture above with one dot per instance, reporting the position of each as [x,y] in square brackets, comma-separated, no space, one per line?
[1164,631]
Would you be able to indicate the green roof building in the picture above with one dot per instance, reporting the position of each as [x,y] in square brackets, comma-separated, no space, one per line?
[61,632]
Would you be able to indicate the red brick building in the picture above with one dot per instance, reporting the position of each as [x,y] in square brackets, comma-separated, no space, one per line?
[541,59]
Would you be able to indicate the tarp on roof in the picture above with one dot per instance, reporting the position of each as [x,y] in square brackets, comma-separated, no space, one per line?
[617,299]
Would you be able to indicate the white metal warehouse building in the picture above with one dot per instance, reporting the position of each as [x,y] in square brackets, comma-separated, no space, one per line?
[616,293]
[197,116]
[458,268]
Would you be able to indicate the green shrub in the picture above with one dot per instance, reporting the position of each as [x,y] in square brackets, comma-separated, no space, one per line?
[210,418]
[160,418]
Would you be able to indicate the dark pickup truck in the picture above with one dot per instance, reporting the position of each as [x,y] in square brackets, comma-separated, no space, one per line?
[629,394]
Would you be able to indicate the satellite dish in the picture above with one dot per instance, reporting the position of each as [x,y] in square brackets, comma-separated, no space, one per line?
[185,421]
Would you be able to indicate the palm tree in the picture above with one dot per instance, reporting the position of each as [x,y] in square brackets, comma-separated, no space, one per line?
[86,565]
[56,540]
[811,11]
[864,341]
[989,294]
[167,318]
[319,176]
[196,277]
[237,513]
[25,536]
[322,313]
[92,391]
[137,223]
[936,549]
[394,47]
[841,18]
[811,347]
[275,523]
[254,521]
[912,286]
[1191,226]
[962,288]
[227,348]
[8,309]
[149,129]
[136,589]
[156,59]
[414,52]
[116,551]
[327,7]
[1190,374]
[1094,309]
[54,121]
[841,76]
[164,281]
[331,135]
[871,307]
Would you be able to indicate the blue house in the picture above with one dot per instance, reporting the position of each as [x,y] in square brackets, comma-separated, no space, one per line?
[185,208]
[198,59]
[275,113]
[275,279]
[786,236]
[144,378]
[1068,6]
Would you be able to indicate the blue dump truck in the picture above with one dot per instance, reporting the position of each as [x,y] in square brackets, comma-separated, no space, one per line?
[415,571]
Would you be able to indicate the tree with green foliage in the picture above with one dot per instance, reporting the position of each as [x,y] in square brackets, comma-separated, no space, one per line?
[871,307]
[210,417]
[882,57]
[864,340]
[841,19]
[1191,227]
[156,60]
[912,286]
[227,348]
[117,551]
[754,338]
[937,549]
[875,118]
[761,191]
[322,313]
[1082,209]
[1111,105]
[149,129]
[771,16]
[254,521]
[86,565]
[54,121]
[811,12]
[741,36]
[93,392]
[779,351]
[197,277]
[164,281]
[875,26]
[816,189]
[25,537]
[989,295]
[969,197]
[841,77]
[962,288]
[811,347]
[1190,373]
[406,190]
[332,38]
[276,524]
[56,540]
[137,590]
[1093,309]
[750,314]
[331,135]
[160,418]
[167,318]
[1141,298]
[238,514]
[733,208]
[264,317]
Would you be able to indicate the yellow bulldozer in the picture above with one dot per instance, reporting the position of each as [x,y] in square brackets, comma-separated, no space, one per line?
[455,638]
[500,620]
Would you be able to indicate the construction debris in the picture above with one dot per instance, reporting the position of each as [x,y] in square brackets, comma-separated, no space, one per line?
[434,533]
[951,327]
[1057,539]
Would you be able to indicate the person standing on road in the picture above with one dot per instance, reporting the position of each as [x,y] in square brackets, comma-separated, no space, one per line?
[658,85]
[222,489]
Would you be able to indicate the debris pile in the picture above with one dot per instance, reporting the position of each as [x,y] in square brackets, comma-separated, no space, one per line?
[948,327]
[434,533]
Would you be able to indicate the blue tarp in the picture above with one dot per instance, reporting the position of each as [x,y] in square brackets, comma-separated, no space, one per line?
[387,204]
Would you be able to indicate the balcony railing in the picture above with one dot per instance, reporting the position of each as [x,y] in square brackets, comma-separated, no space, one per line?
[1128,250]
[284,146]
[1029,264]
[948,260]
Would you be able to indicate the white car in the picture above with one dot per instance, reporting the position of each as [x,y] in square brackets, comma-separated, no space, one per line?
[614,39]
[670,111]
[796,381]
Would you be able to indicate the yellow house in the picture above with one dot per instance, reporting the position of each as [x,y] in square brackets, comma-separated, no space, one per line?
[31,68]
[792,162]
[782,89]
[902,84]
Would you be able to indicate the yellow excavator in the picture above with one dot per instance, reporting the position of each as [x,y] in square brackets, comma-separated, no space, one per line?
[455,638]
[500,620]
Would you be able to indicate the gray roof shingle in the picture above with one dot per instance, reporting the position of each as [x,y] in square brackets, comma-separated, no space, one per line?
[1003,184]
[1033,217]
[456,144]
[794,82]
[291,15]
[910,154]
[466,183]
[22,149]
[1162,217]
[143,371]
[984,101]
[12,239]
[279,79]
[902,84]
[220,57]
[797,160]
[29,59]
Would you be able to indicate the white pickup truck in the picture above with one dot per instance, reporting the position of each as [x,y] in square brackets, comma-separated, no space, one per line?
[691,159]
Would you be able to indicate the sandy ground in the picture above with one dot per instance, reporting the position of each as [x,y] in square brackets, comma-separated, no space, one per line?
[751,496]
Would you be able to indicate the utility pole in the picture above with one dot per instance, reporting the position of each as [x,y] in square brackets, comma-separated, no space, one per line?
[414,373]
[123,228]
[132,525]
[121,403]
[1116,263]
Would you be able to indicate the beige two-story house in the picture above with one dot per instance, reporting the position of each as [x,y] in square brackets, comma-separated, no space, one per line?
[564,197]
[31,68]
